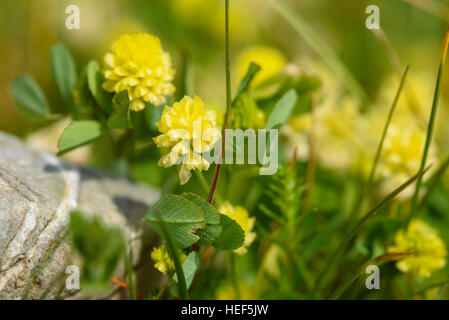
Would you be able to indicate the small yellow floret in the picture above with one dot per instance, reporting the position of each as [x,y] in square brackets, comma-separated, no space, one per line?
[241,216]
[138,64]
[428,251]
[162,260]
[189,131]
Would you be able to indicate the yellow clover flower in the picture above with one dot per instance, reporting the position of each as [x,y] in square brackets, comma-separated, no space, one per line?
[241,216]
[428,251]
[189,131]
[138,64]
[162,260]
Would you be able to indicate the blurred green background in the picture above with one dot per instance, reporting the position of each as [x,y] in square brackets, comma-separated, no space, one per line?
[29,28]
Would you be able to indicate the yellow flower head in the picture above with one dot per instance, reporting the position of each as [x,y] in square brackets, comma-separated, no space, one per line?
[241,216]
[402,154]
[428,251]
[188,130]
[162,260]
[138,64]
[271,61]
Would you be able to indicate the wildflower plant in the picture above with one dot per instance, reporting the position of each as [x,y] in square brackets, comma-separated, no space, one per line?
[353,186]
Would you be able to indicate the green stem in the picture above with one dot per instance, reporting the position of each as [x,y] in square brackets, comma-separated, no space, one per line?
[205,186]
[228,104]
[129,271]
[172,250]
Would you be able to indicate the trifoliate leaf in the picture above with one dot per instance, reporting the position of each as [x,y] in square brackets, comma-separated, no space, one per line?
[181,217]
[64,71]
[30,99]
[232,235]
[79,133]
[95,80]
[211,217]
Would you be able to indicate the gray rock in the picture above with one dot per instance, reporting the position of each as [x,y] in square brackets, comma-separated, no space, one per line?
[37,192]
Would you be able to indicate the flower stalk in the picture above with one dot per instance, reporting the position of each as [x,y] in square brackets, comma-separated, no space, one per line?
[228,105]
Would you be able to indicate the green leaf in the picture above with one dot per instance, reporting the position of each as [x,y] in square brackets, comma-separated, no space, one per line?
[232,235]
[190,266]
[121,98]
[79,133]
[64,71]
[269,88]
[95,80]
[30,99]
[282,110]
[253,69]
[120,118]
[211,217]
[82,98]
[181,217]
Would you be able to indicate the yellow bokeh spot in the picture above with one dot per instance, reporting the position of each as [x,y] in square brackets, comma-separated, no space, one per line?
[271,60]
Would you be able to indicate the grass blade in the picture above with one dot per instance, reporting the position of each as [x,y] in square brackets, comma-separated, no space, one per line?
[384,133]
[368,185]
[430,126]
[436,178]
[437,9]
[326,52]
[362,221]
[385,258]
[389,50]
